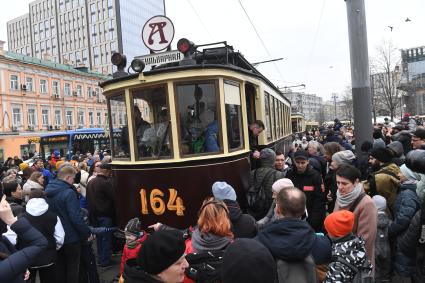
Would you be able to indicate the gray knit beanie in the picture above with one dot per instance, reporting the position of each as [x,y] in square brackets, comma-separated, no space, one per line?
[343,157]
[267,157]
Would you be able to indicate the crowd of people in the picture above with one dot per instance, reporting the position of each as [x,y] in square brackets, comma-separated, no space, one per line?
[52,211]
[317,213]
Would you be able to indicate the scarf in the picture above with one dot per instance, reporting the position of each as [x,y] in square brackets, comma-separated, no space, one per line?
[346,200]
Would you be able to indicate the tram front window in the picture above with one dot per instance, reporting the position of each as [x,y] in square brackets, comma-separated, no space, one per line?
[152,125]
[199,125]
[119,129]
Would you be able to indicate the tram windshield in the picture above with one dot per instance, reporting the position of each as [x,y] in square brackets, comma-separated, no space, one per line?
[199,125]
[151,123]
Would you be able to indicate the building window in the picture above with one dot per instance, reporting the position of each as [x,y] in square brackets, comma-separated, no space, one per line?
[89,92]
[79,90]
[28,83]
[43,86]
[14,82]
[99,118]
[31,117]
[45,117]
[93,12]
[69,117]
[67,89]
[16,113]
[91,119]
[80,117]
[55,87]
[58,120]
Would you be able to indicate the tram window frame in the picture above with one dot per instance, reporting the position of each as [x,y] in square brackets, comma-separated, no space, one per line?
[133,91]
[267,116]
[110,126]
[272,119]
[275,124]
[279,125]
[282,121]
[215,83]
[240,114]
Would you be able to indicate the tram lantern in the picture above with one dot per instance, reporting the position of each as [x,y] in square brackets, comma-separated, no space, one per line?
[137,65]
[120,61]
[185,46]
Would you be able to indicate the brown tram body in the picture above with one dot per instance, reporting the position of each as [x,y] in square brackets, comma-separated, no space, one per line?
[166,180]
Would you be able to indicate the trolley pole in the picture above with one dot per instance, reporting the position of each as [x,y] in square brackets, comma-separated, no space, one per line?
[360,80]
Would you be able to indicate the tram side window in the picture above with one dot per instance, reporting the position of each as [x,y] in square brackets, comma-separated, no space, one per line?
[199,125]
[119,132]
[152,124]
[267,112]
[232,101]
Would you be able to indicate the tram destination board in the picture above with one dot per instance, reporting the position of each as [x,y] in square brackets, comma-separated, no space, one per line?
[161,58]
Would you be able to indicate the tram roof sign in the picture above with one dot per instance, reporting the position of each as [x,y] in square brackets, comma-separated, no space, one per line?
[161,58]
[158,33]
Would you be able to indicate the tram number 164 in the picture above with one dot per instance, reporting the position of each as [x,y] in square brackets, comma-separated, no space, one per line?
[157,203]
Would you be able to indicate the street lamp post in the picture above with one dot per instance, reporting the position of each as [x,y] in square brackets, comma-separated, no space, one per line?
[335,97]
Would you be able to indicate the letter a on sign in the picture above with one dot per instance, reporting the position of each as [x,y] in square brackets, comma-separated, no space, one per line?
[158,33]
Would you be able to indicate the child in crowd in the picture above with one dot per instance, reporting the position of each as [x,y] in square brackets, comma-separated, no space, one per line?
[382,243]
[134,236]
[348,251]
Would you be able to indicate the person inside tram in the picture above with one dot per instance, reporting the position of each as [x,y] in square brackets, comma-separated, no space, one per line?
[255,130]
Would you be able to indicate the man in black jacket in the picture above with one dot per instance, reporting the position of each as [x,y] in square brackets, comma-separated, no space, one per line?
[101,205]
[310,182]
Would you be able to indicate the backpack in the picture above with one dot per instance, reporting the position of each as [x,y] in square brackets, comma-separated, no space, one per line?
[205,267]
[362,274]
[256,196]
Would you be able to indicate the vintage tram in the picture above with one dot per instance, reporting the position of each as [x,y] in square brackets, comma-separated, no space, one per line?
[298,123]
[187,127]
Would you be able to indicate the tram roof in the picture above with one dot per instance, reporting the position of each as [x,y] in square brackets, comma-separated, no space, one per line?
[231,60]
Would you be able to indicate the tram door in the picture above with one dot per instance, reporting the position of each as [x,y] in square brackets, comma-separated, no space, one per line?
[250,93]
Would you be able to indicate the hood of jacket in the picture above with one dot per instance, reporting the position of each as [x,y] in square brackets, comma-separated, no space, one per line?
[133,273]
[202,242]
[235,211]
[392,167]
[37,206]
[383,220]
[56,186]
[288,239]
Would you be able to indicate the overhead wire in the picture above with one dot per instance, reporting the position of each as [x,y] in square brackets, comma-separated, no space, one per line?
[261,40]
[313,46]
[200,20]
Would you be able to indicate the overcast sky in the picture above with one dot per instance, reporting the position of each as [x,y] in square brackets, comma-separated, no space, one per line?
[311,35]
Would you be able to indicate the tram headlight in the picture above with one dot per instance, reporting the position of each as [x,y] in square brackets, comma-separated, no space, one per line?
[185,46]
[137,65]
[120,61]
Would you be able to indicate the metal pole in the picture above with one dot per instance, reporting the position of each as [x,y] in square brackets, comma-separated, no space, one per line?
[335,97]
[360,80]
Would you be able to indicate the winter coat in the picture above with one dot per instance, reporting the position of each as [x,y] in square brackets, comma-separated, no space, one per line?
[296,271]
[45,221]
[259,175]
[15,205]
[330,186]
[409,245]
[349,249]
[386,184]
[131,253]
[12,268]
[310,182]
[101,197]
[292,239]
[420,187]
[134,274]
[28,186]
[382,248]
[62,200]
[243,225]
[405,207]
[366,216]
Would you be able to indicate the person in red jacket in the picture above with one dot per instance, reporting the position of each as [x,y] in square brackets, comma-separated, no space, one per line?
[134,237]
